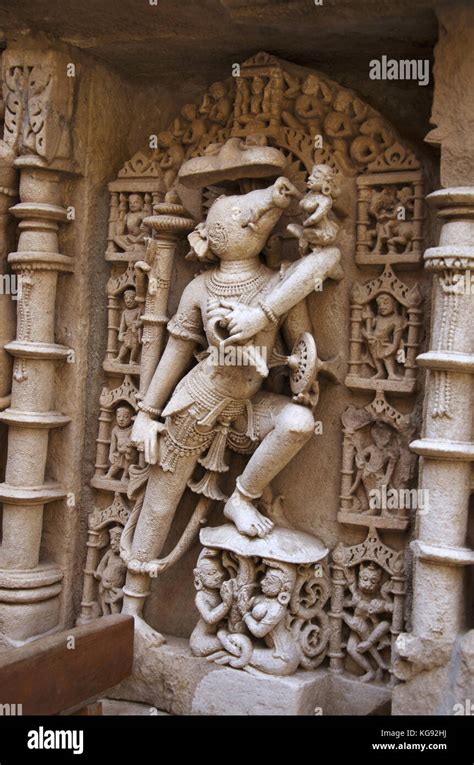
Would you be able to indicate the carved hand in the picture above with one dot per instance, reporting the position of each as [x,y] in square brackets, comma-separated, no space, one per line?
[145,436]
[243,321]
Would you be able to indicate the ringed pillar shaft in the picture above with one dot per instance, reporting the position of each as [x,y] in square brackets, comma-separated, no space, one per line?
[169,223]
[446,446]
[30,589]
[8,193]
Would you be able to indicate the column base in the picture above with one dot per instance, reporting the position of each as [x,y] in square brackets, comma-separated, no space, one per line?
[29,603]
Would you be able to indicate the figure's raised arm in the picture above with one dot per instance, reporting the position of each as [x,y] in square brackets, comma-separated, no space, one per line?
[300,279]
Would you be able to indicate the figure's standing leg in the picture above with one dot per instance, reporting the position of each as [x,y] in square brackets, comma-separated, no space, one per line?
[163,493]
[284,432]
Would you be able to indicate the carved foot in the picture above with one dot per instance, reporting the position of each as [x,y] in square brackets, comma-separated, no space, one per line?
[150,637]
[368,677]
[246,517]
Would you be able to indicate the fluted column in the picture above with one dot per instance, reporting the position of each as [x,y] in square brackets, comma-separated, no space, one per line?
[447,446]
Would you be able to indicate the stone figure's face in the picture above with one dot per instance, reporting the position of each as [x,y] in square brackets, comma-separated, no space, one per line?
[129,299]
[135,203]
[189,111]
[369,578]
[165,139]
[385,305]
[321,175]
[227,233]
[342,101]
[310,85]
[271,584]
[211,574]
[124,417]
[217,90]
[257,85]
[381,435]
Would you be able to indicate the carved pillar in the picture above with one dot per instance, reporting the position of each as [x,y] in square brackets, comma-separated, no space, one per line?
[447,445]
[168,223]
[38,109]
[8,192]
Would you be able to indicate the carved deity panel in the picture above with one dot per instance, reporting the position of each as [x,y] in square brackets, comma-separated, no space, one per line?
[377,466]
[105,571]
[368,588]
[385,334]
[390,219]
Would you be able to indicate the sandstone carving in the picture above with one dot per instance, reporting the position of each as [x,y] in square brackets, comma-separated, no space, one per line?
[368,589]
[390,211]
[104,574]
[385,334]
[261,613]
[377,466]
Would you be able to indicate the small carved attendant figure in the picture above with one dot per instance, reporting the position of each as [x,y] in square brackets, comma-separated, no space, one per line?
[383,209]
[377,461]
[196,126]
[383,334]
[310,105]
[368,633]
[130,329]
[111,575]
[265,616]
[221,109]
[318,230]
[122,453]
[213,601]
[171,157]
[130,230]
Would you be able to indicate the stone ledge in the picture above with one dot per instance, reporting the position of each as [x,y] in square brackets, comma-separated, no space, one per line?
[172,679]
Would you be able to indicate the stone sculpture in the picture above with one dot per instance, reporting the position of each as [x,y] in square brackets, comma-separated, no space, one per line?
[111,575]
[368,585]
[237,302]
[377,466]
[259,613]
[129,334]
[122,453]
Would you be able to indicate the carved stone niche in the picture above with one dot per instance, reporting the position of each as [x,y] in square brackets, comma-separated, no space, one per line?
[115,454]
[385,334]
[367,606]
[131,201]
[390,218]
[104,574]
[124,306]
[377,466]
[262,601]
[258,97]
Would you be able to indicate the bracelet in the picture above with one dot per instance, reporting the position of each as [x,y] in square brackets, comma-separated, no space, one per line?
[153,411]
[269,312]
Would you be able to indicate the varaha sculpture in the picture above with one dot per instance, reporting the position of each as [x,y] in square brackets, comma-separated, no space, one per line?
[238,303]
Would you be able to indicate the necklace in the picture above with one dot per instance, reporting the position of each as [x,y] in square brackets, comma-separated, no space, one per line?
[247,287]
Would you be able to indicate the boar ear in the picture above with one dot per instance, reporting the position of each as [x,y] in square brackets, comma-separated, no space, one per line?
[199,241]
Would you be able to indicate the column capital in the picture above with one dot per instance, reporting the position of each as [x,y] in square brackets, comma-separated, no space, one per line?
[38,91]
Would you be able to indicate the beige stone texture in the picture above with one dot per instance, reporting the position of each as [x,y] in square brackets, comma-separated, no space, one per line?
[178,185]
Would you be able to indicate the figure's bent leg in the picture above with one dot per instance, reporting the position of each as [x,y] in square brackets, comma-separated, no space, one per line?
[163,493]
[283,434]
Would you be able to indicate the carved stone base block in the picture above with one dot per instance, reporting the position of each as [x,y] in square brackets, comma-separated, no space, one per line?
[172,679]
[29,603]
